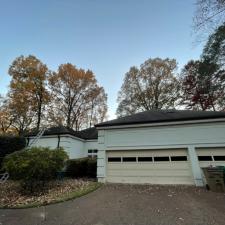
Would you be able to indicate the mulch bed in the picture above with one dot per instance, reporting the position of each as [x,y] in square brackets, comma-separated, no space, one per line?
[12,196]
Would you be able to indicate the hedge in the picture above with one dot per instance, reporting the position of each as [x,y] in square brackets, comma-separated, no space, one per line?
[10,144]
[34,167]
[85,167]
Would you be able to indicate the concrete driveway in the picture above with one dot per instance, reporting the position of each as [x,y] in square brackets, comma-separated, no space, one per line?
[130,205]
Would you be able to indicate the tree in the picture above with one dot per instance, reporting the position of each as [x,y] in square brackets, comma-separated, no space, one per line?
[209,14]
[153,86]
[5,117]
[29,76]
[75,95]
[214,50]
[21,112]
[203,88]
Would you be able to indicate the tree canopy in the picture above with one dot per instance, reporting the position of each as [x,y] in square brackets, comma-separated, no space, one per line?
[214,50]
[38,97]
[76,97]
[202,86]
[209,14]
[153,86]
[28,92]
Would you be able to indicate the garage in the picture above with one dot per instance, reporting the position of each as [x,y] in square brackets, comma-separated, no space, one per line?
[164,166]
[211,157]
[160,147]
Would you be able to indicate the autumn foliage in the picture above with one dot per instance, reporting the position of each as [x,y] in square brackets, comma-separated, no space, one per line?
[39,97]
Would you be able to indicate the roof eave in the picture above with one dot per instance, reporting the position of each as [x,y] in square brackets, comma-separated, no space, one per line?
[164,123]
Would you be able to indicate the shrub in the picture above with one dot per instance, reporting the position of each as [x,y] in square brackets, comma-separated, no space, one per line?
[35,166]
[76,168]
[92,168]
[10,144]
[84,167]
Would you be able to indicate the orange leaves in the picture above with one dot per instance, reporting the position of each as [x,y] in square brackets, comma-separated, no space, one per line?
[70,96]
[28,93]
[74,91]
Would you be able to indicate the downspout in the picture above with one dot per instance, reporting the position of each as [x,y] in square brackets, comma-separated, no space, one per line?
[58,145]
[28,141]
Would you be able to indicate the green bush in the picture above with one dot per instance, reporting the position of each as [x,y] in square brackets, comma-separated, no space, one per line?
[34,167]
[10,144]
[85,167]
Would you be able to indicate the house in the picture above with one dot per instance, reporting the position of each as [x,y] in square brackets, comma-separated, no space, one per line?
[78,144]
[160,147]
[157,146]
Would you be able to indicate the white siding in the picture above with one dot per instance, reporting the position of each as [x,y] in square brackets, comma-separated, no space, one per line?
[76,148]
[196,134]
[90,145]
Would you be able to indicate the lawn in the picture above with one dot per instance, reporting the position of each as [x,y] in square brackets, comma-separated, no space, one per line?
[12,196]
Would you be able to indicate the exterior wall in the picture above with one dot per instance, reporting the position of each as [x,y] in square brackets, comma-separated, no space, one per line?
[183,135]
[90,145]
[189,136]
[76,148]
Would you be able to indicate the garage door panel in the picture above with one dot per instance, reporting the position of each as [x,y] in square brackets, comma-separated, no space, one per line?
[150,180]
[164,172]
[151,173]
[161,152]
[211,152]
[150,166]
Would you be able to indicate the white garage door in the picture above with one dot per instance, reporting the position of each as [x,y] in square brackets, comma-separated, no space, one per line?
[149,166]
[211,156]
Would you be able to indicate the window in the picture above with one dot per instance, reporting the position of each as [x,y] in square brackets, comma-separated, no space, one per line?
[205,158]
[114,159]
[161,159]
[129,159]
[92,153]
[178,158]
[144,159]
[219,157]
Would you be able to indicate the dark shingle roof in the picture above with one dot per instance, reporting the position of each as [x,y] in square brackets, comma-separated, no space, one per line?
[156,116]
[90,133]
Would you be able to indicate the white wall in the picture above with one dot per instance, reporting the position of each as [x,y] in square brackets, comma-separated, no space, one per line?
[75,147]
[90,145]
[196,134]
[159,137]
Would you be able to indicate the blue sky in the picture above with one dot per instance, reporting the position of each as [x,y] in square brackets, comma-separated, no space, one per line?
[106,36]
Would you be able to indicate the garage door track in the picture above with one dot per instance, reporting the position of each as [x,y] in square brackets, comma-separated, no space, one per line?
[128,205]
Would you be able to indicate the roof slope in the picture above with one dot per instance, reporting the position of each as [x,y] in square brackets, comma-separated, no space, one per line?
[156,116]
[90,133]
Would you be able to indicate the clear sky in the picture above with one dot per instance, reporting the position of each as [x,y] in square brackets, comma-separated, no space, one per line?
[106,36]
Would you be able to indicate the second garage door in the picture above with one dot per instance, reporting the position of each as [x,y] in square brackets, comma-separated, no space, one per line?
[149,166]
